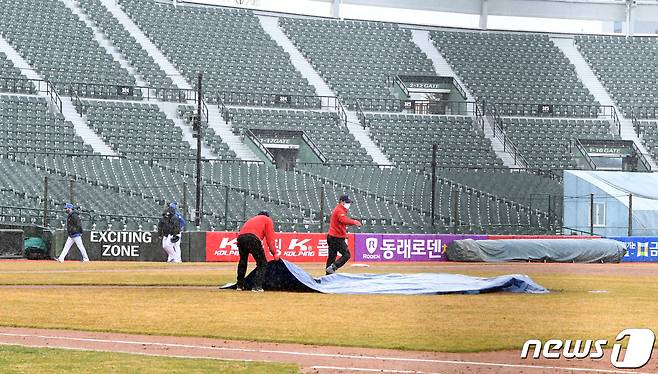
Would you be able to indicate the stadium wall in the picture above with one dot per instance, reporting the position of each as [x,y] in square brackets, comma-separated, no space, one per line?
[130,246]
[220,246]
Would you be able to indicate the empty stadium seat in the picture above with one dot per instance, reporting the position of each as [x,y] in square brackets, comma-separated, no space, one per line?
[228,45]
[137,130]
[126,43]
[58,45]
[626,66]
[549,143]
[356,57]
[407,139]
[512,68]
[27,125]
[11,79]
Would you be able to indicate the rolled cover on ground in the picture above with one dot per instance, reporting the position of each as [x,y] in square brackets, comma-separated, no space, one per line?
[549,250]
[285,276]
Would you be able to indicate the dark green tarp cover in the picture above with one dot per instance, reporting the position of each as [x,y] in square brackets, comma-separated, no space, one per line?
[540,250]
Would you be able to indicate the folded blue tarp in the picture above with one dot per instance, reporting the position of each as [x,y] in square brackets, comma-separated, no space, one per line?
[542,250]
[286,276]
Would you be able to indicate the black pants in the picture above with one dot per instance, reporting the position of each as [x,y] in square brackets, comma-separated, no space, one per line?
[248,243]
[337,245]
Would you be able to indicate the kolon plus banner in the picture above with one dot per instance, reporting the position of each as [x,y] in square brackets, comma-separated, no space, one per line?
[222,246]
[404,247]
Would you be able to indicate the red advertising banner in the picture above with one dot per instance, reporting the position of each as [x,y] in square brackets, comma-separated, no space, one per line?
[222,246]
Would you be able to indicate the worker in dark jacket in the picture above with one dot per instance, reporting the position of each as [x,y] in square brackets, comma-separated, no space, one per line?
[74,230]
[337,235]
[169,231]
[250,238]
[181,225]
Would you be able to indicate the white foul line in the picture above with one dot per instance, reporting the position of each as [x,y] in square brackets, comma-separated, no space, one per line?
[138,353]
[384,358]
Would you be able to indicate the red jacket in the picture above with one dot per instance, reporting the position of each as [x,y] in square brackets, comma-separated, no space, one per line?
[263,228]
[339,222]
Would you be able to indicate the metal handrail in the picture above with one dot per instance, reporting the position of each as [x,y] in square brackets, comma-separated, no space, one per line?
[54,96]
[75,99]
[640,156]
[314,147]
[260,145]
[636,125]
[204,111]
[389,104]
[585,154]
[222,108]
[41,84]
[269,99]
[638,132]
[393,79]
[361,115]
[559,109]
[479,116]
[429,107]
[636,149]
[112,91]
[615,119]
[340,110]
[154,161]
[508,145]
[459,88]
[20,209]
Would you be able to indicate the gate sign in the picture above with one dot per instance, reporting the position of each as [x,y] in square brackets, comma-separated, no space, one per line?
[284,141]
[124,91]
[409,104]
[639,248]
[283,99]
[545,109]
[222,246]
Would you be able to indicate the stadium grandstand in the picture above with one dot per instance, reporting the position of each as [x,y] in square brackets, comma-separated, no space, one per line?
[122,106]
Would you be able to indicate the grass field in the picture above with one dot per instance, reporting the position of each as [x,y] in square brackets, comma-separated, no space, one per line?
[449,323]
[14,359]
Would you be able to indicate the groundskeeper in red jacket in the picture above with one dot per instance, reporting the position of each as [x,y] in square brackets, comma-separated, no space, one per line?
[339,222]
[263,227]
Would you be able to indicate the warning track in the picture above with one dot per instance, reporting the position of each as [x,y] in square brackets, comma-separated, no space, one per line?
[312,359]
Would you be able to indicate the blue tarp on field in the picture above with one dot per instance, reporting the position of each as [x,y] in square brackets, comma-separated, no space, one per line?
[285,276]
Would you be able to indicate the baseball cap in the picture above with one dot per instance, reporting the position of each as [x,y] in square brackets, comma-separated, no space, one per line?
[346,199]
[173,205]
[68,206]
[264,213]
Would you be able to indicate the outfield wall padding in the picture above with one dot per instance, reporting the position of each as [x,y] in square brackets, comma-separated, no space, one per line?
[130,246]
[196,241]
[297,247]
